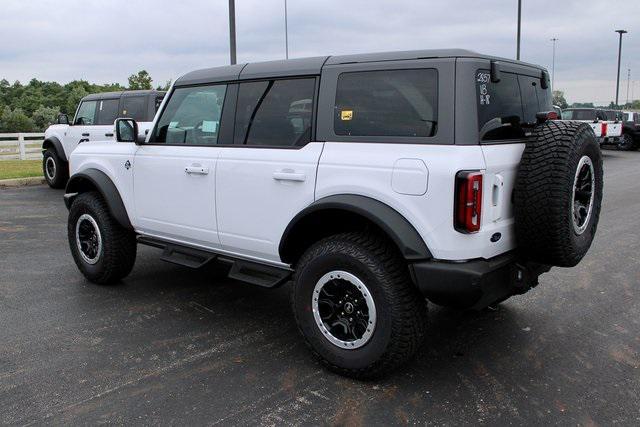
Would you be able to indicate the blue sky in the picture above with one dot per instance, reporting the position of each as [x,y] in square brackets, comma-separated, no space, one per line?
[106,41]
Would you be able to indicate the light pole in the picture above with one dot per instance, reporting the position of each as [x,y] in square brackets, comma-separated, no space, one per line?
[286,32]
[628,81]
[519,25]
[232,31]
[621,32]
[553,64]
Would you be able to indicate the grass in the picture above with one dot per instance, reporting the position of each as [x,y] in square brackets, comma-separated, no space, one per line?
[20,168]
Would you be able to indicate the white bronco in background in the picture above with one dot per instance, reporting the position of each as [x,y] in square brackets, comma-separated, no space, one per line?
[93,121]
[372,182]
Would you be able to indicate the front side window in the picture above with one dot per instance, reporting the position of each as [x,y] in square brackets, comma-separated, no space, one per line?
[275,112]
[107,111]
[134,107]
[400,103]
[192,116]
[86,113]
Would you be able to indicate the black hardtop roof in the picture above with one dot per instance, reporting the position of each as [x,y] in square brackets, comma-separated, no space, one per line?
[313,65]
[118,94]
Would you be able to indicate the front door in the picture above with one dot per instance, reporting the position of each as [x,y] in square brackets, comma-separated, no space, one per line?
[270,174]
[174,173]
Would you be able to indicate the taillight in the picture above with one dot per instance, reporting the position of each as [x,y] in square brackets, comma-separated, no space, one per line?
[604,128]
[468,206]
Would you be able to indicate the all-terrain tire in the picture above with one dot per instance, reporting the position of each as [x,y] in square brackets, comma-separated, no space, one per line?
[55,170]
[401,310]
[118,246]
[544,193]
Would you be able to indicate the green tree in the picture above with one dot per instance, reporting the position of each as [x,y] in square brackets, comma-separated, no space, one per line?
[559,100]
[166,86]
[44,117]
[15,121]
[142,80]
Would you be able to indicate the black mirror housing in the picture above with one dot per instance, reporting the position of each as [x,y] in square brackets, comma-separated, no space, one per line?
[126,130]
[62,119]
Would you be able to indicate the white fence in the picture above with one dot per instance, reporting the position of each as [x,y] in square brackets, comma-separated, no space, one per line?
[21,146]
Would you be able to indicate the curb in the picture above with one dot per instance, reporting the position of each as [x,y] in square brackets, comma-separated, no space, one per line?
[20,182]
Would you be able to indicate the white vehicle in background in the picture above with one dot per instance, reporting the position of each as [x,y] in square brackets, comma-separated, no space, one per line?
[606,130]
[93,121]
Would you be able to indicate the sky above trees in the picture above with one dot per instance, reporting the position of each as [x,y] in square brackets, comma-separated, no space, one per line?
[103,41]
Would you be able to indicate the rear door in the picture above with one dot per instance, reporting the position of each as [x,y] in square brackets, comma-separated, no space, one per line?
[174,173]
[106,116]
[269,175]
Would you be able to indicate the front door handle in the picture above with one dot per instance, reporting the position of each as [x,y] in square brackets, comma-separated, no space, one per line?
[289,175]
[196,170]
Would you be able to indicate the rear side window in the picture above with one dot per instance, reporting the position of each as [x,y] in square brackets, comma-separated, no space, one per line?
[107,111]
[505,105]
[275,112]
[134,107]
[86,113]
[400,103]
[192,116]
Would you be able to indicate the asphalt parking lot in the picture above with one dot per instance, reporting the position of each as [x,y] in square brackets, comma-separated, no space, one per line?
[176,346]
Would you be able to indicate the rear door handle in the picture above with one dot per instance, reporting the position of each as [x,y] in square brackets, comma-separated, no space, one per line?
[85,134]
[196,170]
[109,135]
[289,175]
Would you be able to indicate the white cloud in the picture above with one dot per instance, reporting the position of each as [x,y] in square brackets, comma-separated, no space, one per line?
[107,40]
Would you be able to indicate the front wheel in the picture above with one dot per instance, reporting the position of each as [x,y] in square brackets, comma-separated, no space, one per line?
[55,170]
[356,306]
[103,250]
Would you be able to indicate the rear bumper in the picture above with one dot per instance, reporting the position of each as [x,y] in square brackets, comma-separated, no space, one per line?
[475,284]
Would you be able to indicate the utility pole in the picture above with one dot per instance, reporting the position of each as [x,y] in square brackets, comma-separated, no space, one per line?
[553,65]
[286,32]
[621,32]
[519,26]
[232,30]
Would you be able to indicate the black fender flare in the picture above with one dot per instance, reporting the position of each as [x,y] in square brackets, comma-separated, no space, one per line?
[390,221]
[57,145]
[94,179]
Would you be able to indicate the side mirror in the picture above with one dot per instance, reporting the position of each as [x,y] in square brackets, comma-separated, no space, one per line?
[126,130]
[63,119]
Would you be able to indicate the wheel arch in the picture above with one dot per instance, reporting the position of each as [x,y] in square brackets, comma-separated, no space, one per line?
[96,180]
[340,213]
[53,142]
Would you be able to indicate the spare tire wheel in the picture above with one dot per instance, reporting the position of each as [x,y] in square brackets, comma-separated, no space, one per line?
[558,193]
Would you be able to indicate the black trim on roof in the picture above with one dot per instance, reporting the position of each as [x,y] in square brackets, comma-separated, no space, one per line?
[118,94]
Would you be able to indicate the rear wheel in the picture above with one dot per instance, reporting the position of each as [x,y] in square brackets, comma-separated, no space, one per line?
[356,306]
[103,250]
[626,142]
[55,170]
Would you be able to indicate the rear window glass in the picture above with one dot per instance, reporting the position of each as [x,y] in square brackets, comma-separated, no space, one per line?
[505,105]
[134,107]
[108,111]
[579,114]
[399,103]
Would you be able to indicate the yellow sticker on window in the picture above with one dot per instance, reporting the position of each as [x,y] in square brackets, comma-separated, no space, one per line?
[346,114]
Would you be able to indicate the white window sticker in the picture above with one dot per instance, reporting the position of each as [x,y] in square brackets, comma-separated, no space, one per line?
[210,126]
[173,124]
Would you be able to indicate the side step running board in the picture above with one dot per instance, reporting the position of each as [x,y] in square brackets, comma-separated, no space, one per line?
[257,274]
[178,254]
[246,271]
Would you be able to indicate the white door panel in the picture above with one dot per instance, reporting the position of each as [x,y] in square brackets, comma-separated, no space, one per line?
[259,191]
[174,190]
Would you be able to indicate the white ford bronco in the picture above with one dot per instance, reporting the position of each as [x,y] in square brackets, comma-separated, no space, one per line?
[94,120]
[374,183]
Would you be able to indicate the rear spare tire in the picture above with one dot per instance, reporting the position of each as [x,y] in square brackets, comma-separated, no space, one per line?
[558,193]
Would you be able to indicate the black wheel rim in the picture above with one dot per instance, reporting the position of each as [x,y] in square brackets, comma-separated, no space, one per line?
[50,168]
[88,239]
[583,192]
[344,310]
